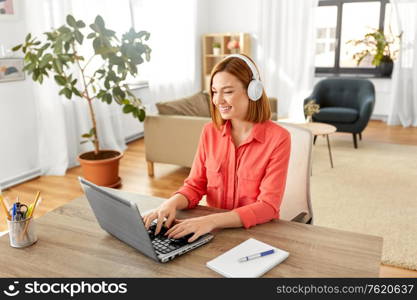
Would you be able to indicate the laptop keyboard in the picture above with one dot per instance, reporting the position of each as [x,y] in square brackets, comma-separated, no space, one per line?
[162,243]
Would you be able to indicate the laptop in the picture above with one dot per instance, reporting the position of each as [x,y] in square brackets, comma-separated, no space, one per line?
[122,219]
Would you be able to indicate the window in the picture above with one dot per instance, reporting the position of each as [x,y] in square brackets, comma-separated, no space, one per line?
[339,21]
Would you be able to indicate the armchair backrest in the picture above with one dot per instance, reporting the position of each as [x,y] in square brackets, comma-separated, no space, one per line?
[297,190]
[343,92]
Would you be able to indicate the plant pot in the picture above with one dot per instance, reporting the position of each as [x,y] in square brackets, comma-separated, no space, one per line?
[102,169]
[385,68]
[216,51]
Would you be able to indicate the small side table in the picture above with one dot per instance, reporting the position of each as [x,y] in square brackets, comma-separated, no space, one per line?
[323,129]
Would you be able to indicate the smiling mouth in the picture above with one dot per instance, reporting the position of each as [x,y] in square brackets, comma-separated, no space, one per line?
[224,109]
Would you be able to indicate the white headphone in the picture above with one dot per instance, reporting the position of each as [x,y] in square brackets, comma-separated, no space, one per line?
[255,87]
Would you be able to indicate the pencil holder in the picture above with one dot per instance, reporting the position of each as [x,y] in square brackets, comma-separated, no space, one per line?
[22,233]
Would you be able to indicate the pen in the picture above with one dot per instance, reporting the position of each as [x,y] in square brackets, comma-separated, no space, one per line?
[256,255]
[14,212]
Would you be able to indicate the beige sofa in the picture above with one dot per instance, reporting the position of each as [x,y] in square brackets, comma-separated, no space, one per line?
[173,139]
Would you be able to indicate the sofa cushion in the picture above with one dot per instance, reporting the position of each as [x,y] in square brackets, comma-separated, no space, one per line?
[336,114]
[195,105]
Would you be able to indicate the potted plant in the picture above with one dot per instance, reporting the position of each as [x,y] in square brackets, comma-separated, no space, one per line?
[378,45]
[310,109]
[216,48]
[59,56]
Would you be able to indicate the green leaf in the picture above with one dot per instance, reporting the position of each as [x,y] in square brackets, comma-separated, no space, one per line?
[96,45]
[92,131]
[101,94]
[45,60]
[107,98]
[118,93]
[79,37]
[28,37]
[66,37]
[60,80]
[67,46]
[71,21]
[91,35]
[83,142]
[64,29]
[17,47]
[57,65]
[142,115]
[95,27]
[86,135]
[58,47]
[76,92]
[128,108]
[99,22]
[80,24]
[51,36]
[68,93]
[107,84]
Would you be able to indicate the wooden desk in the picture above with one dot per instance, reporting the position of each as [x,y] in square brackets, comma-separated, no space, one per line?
[71,244]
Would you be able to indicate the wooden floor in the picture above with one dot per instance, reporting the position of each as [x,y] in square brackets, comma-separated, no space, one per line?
[58,190]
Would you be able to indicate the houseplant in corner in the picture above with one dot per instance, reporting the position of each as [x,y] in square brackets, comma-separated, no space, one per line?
[378,45]
[59,56]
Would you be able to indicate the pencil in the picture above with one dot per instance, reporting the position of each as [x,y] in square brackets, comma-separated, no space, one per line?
[34,204]
[30,215]
[4,207]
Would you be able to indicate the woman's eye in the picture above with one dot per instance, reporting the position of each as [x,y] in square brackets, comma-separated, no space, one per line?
[228,92]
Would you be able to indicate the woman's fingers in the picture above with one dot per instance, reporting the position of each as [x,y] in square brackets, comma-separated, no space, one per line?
[170,220]
[161,219]
[149,218]
[174,234]
[195,236]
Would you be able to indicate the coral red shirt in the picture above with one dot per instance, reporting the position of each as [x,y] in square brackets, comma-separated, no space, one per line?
[249,179]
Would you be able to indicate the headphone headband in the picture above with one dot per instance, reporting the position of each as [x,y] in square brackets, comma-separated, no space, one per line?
[255,74]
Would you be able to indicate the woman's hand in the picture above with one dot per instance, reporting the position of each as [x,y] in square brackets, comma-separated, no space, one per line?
[167,210]
[198,226]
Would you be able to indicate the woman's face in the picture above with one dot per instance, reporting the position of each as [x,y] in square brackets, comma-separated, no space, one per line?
[229,96]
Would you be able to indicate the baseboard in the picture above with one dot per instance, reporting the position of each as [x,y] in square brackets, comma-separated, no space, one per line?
[383,118]
[6,183]
[134,137]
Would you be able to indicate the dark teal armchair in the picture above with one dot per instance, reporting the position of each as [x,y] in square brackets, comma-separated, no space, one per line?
[346,103]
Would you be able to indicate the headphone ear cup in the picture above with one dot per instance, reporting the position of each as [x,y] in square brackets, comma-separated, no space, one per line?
[255,90]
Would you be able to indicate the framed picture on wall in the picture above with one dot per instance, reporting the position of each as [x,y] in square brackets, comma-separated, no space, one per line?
[11,69]
[8,9]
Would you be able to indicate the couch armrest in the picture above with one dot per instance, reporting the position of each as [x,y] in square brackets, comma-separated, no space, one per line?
[172,139]
[273,103]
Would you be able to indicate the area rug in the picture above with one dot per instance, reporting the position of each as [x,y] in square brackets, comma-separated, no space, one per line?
[370,190]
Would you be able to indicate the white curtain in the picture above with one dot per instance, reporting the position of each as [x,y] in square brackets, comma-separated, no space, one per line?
[404,80]
[173,70]
[61,121]
[285,52]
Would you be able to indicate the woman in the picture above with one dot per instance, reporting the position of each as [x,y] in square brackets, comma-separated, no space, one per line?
[241,162]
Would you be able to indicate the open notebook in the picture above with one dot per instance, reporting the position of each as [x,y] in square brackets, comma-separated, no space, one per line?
[228,265]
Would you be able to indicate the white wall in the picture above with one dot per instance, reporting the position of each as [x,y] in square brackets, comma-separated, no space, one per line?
[18,131]
[233,16]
